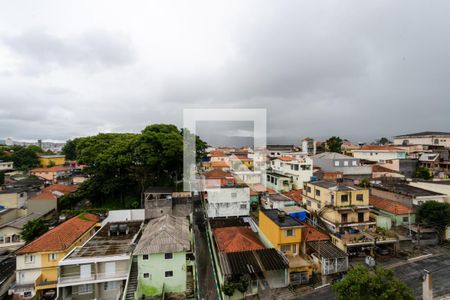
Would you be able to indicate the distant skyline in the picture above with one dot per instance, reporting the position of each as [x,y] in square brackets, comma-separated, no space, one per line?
[358,70]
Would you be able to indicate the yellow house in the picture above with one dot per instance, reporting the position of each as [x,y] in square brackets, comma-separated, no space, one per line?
[285,234]
[37,262]
[52,160]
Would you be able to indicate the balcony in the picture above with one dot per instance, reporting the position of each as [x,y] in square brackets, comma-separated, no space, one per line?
[76,278]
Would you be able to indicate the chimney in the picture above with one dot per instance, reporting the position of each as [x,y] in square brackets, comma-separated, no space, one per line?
[281,216]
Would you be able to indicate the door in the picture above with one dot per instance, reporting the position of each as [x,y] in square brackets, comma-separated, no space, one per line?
[85,271]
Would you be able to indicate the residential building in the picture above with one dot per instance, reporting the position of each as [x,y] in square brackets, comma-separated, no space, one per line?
[285,234]
[344,209]
[51,174]
[424,138]
[218,155]
[239,249]
[276,201]
[336,162]
[406,167]
[6,166]
[298,168]
[390,213]
[99,268]
[52,160]
[165,260]
[378,171]
[309,146]
[47,199]
[280,150]
[279,182]
[437,186]
[379,153]
[406,194]
[10,233]
[13,197]
[37,261]
[225,198]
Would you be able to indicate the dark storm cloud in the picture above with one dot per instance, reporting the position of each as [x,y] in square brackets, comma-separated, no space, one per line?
[356,69]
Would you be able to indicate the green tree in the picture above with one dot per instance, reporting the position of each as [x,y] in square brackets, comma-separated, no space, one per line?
[364,183]
[383,141]
[70,150]
[35,149]
[33,229]
[434,214]
[25,158]
[380,284]
[334,144]
[423,173]
[228,289]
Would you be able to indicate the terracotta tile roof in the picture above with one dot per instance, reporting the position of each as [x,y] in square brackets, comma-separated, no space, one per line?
[389,205]
[51,169]
[218,174]
[286,158]
[61,188]
[217,153]
[236,239]
[219,164]
[45,196]
[62,236]
[295,195]
[380,148]
[310,233]
[259,188]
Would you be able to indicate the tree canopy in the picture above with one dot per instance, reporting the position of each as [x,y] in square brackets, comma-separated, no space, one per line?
[423,173]
[334,144]
[25,158]
[435,214]
[363,284]
[70,150]
[33,229]
[124,164]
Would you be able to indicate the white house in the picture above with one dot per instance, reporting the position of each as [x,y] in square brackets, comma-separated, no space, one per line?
[379,153]
[424,138]
[228,202]
[277,201]
[298,168]
[6,165]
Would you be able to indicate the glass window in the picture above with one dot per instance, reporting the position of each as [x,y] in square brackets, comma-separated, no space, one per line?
[344,198]
[336,163]
[308,202]
[168,255]
[145,257]
[85,289]
[360,197]
[289,232]
[52,256]
[317,192]
[109,286]
[233,195]
[345,163]
[405,219]
[294,249]
[29,259]
[146,275]
[354,163]
[285,248]
[168,274]
[243,206]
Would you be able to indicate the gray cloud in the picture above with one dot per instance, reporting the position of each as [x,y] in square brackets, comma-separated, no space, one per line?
[358,70]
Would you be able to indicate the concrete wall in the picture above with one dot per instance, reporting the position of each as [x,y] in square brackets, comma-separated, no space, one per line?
[13,200]
[42,206]
[156,266]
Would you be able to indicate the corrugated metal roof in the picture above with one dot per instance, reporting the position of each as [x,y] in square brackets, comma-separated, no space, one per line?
[166,234]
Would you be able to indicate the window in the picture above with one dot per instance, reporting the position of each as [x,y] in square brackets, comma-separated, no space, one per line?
[405,219]
[344,198]
[2,239]
[243,206]
[29,259]
[52,256]
[344,218]
[168,255]
[294,249]
[233,195]
[361,217]
[85,289]
[317,192]
[146,275]
[319,205]
[336,163]
[145,257]
[345,163]
[295,167]
[308,202]
[285,248]
[289,232]
[168,274]
[309,189]
[109,286]
[360,197]
[354,163]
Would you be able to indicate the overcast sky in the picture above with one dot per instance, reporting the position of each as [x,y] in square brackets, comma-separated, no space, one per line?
[358,69]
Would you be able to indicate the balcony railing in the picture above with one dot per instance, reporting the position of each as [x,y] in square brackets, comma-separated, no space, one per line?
[99,276]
